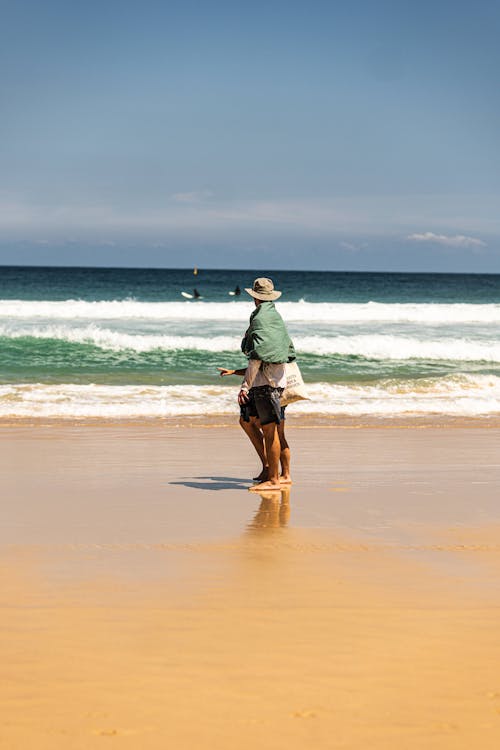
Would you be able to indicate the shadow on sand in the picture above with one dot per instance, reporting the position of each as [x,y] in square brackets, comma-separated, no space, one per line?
[215,483]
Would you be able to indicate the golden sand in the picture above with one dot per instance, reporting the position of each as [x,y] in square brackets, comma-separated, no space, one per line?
[149,601]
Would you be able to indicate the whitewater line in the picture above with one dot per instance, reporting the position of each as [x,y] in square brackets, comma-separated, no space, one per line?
[452,395]
[368,346]
[305,312]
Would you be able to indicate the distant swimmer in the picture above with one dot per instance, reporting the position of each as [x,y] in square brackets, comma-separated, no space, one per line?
[236,292]
[196,294]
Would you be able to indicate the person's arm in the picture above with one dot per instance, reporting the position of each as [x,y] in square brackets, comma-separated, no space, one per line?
[250,375]
[223,372]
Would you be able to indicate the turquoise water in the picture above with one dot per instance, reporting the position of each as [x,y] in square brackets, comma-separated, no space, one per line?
[124,342]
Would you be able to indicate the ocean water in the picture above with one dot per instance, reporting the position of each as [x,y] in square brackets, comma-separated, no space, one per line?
[94,342]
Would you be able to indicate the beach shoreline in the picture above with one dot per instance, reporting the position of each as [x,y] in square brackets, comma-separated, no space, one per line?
[300,421]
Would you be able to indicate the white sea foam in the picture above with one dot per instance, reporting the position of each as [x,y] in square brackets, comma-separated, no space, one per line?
[307,312]
[371,346]
[462,395]
[118,341]
[384,347]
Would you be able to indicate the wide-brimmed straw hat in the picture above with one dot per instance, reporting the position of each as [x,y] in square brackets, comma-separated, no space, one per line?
[264,290]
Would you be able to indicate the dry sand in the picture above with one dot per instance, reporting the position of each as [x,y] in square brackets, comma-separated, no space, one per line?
[148,600]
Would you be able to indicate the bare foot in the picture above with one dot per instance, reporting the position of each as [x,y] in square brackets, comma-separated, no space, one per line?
[265,487]
[263,476]
[286,480]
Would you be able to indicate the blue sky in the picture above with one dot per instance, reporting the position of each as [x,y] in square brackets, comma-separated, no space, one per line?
[318,135]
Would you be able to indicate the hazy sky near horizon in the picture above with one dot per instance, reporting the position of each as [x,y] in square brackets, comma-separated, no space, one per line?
[308,135]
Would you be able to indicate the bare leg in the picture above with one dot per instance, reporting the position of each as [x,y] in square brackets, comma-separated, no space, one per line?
[252,429]
[272,446]
[284,455]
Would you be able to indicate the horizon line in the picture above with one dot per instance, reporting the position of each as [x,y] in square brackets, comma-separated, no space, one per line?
[244,270]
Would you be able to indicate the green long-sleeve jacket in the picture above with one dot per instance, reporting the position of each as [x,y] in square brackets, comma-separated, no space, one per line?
[267,338]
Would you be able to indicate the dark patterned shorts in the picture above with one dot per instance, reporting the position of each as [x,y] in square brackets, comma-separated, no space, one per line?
[263,403]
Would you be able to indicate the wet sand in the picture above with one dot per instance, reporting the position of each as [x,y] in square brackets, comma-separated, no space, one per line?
[149,600]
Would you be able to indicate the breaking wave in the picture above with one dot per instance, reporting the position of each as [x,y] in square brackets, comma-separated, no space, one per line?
[368,346]
[458,395]
[306,312]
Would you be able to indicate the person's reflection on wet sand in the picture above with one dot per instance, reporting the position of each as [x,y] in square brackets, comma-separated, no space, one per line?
[273,512]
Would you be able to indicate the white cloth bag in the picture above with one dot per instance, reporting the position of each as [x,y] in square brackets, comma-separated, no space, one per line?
[295,389]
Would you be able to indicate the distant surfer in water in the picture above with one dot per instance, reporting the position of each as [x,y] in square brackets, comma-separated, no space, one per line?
[237,291]
[194,295]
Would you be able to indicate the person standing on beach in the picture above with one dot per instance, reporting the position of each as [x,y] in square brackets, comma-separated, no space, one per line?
[268,347]
[250,424]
